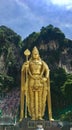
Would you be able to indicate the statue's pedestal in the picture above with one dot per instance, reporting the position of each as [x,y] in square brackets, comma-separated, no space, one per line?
[26,124]
[47,125]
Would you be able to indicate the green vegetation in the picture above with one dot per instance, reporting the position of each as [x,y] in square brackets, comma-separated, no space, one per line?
[10,49]
[6,82]
[61,89]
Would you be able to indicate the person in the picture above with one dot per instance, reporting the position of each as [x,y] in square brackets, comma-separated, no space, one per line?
[35,86]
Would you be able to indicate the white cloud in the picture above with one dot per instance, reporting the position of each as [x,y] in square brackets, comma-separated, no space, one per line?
[67,25]
[26,16]
[62,2]
[69,7]
[22,4]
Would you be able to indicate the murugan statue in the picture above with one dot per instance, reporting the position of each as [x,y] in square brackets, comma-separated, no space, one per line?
[35,87]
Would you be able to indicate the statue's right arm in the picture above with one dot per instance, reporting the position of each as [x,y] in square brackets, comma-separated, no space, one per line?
[22,77]
[23,74]
[23,67]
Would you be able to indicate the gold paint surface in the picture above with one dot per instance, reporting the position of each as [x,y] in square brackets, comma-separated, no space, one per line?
[35,87]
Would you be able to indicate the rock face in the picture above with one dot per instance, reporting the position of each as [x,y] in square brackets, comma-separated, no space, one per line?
[65,62]
[54,48]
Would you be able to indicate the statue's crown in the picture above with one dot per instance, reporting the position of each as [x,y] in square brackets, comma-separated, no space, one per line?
[35,50]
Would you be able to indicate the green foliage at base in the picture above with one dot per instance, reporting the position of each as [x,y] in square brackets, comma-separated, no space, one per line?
[61,89]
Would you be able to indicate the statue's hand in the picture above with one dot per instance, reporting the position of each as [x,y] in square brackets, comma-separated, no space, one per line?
[26,64]
[44,79]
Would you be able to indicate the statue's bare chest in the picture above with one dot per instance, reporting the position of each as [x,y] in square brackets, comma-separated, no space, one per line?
[35,66]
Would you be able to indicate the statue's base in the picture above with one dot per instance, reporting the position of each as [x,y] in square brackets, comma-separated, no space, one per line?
[26,124]
[47,125]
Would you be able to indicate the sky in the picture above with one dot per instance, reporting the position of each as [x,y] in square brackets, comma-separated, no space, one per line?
[27,16]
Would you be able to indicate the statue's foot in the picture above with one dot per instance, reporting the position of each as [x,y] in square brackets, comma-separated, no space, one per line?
[51,119]
[33,118]
[20,120]
[40,118]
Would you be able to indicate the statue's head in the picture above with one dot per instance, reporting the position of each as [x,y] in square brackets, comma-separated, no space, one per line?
[35,53]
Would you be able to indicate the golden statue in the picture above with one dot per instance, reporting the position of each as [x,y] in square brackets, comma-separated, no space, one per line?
[35,87]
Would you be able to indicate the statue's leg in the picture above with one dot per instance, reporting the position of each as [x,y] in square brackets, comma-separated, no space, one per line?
[49,105]
[44,95]
[36,104]
[32,102]
[22,106]
[40,104]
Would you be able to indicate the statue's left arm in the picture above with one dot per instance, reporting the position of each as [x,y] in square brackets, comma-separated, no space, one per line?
[46,70]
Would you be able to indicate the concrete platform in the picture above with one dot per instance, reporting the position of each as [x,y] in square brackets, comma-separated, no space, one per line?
[26,124]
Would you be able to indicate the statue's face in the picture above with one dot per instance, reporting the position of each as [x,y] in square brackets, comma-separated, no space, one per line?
[35,55]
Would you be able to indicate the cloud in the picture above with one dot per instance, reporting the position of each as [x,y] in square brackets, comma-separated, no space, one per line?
[20,17]
[22,4]
[69,7]
[67,25]
[66,28]
[62,2]
[13,10]
[27,16]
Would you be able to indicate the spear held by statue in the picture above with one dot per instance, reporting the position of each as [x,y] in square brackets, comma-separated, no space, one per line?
[24,86]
